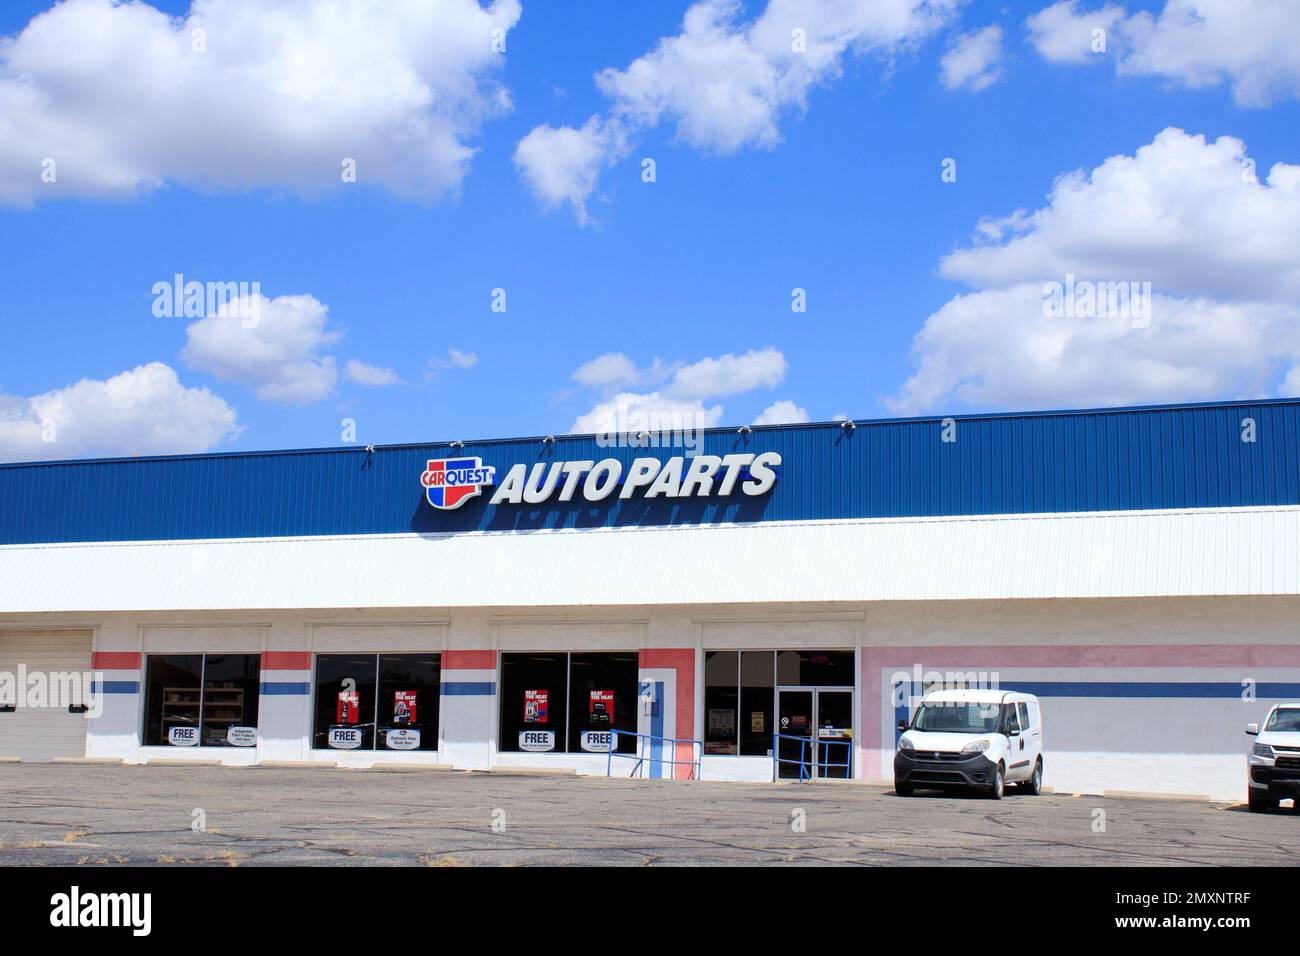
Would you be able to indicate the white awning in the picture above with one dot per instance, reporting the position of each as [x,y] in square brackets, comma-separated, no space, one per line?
[1240,551]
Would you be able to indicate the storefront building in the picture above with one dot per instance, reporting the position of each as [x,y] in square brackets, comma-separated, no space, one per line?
[498,604]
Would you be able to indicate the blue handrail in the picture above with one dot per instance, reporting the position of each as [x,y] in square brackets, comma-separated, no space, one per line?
[697,752]
[804,772]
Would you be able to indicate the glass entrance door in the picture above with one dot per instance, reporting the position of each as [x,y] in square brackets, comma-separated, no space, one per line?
[794,724]
[815,727]
[834,734]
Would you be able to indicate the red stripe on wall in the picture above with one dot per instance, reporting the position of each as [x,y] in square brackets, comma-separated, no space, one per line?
[681,660]
[679,657]
[469,660]
[875,660]
[286,660]
[115,661]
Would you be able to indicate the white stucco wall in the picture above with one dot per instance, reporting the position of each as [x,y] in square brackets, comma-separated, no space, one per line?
[1174,745]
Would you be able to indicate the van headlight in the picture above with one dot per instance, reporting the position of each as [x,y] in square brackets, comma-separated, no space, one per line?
[1262,750]
[905,744]
[979,746]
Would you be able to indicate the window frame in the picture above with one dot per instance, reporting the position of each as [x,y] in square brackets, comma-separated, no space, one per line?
[776,685]
[374,747]
[563,735]
[203,694]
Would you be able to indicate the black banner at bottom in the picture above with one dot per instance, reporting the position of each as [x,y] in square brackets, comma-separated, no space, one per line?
[178,905]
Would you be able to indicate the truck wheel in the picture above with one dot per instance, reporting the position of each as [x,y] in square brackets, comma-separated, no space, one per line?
[1260,804]
[903,789]
[999,784]
[1034,785]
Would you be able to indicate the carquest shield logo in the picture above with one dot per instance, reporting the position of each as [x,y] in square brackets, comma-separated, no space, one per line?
[450,482]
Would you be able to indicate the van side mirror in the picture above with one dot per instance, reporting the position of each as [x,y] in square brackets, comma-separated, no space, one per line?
[902,723]
[1252,730]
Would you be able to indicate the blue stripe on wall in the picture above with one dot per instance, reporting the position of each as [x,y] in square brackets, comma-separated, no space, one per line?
[285,689]
[656,726]
[1164,689]
[1168,690]
[1103,460]
[115,687]
[469,688]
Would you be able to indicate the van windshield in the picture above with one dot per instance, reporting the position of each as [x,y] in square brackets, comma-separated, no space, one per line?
[957,717]
[1285,719]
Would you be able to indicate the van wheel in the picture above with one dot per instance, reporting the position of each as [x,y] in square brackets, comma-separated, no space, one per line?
[903,789]
[1260,804]
[1034,785]
[999,784]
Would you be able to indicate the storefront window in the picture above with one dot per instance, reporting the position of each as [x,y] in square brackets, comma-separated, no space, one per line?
[231,683]
[377,701]
[409,685]
[345,701]
[602,697]
[534,698]
[814,668]
[740,693]
[195,699]
[721,702]
[757,703]
[566,703]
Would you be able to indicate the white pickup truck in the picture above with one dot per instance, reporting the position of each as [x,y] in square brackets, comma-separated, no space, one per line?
[1273,771]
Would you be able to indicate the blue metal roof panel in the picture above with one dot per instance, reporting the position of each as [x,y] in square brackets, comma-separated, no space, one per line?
[1155,458]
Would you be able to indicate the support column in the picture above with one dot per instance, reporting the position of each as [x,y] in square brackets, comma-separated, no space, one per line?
[284,709]
[469,708]
[667,679]
[114,722]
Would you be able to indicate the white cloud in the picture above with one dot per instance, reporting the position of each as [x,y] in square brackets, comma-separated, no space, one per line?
[974,61]
[458,359]
[1063,32]
[633,412]
[996,348]
[616,370]
[1182,213]
[784,412]
[725,84]
[612,368]
[730,374]
[563,165]
[365,374]
[1217,247]
[1248,44]
[145,411]
[278,357]
[454,358]
[283,92]
[681,400]
[1252,45]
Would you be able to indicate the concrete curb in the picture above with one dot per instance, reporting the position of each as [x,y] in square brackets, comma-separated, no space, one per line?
[411,768]
[297,765]
[89,760]
[1151,795]
[537,772]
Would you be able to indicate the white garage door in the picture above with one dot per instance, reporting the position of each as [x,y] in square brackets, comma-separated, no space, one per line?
[43,733]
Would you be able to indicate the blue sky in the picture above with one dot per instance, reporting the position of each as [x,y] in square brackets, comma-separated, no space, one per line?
[848,205]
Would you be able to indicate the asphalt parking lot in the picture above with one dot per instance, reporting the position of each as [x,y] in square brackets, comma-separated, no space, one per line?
[89,815]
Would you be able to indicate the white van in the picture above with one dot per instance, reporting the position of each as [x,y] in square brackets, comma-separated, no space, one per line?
[1273,773]
[979,739]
